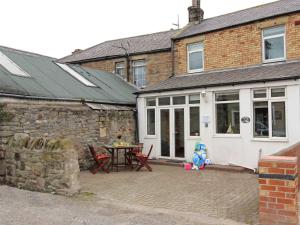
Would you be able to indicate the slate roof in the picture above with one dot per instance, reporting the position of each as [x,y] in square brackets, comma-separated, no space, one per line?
[254,74]
[136,45]
[49,81]
[242,17]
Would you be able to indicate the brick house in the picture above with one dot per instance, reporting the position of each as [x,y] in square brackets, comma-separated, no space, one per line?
[235,87]
[142,60]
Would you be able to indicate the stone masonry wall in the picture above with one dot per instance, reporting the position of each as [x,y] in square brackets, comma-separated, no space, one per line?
[76,122]
[45,165]
[159,66]
[239,46]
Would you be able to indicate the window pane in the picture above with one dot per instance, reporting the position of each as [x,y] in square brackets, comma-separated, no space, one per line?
[278,119]
[120,69]
[228,118]
[274,48]
[194,99]
[151,102]
[229,96]
[179,100]
[151,121]
[278,92]
[139,73]
[196,60]
[274,31]
[164,101]
[261,119]
[260,94]
[195,47]
[194,121]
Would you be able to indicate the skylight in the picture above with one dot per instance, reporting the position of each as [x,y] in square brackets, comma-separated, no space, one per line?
[12,67]
[76,75]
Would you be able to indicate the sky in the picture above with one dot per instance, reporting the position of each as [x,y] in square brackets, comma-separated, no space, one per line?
[58,27]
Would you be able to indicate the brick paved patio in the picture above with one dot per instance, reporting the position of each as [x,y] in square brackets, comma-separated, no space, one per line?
[212,193]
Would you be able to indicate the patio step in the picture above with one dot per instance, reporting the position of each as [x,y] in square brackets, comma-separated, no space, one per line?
[165,162]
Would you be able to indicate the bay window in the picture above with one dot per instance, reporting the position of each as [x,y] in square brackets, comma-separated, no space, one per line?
[269,116]
[227,113]
[151,103]
[194,115]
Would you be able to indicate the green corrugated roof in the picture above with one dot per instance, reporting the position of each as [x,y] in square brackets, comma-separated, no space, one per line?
[48,80]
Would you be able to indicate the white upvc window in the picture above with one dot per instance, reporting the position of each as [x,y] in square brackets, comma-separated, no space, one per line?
[274,44]
[11,66]
[227,113]
[269,113]
[195,57]
[139,73]
[120,69]
[151,116]
[194,115]
[76,75]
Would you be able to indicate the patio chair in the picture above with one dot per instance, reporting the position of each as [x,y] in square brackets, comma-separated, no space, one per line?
[101,160]
[137,149]
[143,160]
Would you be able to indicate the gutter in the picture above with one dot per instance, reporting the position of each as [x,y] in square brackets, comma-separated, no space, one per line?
[62,99]
[232,26]
[217,85]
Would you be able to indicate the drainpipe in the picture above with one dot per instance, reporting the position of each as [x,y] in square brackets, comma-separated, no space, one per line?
[136,117]
[173,56]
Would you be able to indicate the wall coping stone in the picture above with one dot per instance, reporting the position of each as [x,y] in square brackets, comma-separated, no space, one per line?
[279,159]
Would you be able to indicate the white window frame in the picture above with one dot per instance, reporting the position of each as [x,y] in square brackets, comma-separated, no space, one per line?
[215,112]
[136,66]
[117,66]
[188,57]
[270,37]
[155,114]
[270,100]
[191,105]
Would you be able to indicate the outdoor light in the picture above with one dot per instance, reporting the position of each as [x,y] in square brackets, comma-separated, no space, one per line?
[203,94]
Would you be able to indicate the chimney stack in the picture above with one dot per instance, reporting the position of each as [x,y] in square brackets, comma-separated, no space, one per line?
[196,14]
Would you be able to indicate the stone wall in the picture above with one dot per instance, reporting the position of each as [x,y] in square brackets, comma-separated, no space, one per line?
[159,66]
[76,122]
[238,46]
[45,165]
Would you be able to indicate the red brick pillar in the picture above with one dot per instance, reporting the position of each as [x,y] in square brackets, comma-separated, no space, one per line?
[278,191]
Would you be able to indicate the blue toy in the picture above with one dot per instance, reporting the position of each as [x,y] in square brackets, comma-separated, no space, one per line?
[200,156]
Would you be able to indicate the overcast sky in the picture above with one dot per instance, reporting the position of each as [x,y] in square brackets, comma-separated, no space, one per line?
[57,27]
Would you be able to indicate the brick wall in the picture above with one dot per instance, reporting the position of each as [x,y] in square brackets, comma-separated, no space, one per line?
[292,151]
[159,66]
[278,190]
[239,46]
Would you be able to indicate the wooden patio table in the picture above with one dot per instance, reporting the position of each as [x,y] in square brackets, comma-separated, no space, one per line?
[114,150]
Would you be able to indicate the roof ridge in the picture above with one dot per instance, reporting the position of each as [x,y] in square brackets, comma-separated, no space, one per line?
[241,10]
[25,52]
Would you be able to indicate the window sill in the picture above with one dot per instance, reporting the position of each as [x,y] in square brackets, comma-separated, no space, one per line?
[273,60]
[193,138]
[195,71]
[227,136]
[150,137]
[269,140]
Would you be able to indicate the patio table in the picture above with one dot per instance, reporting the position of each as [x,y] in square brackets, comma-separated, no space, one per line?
[114,150]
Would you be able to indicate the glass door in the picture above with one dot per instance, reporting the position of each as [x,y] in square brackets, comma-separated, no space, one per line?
[179,132]
[165,132]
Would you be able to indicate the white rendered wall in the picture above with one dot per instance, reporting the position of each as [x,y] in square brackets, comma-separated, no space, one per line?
[243,149]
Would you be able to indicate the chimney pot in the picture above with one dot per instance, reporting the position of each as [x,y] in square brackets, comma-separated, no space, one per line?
[196,14]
